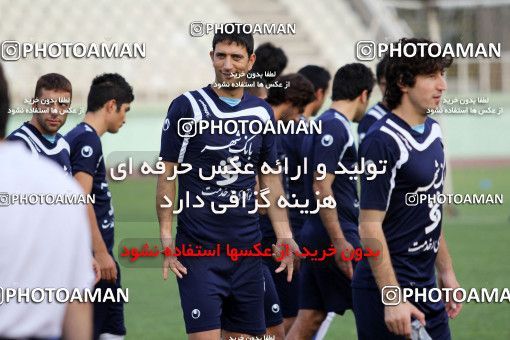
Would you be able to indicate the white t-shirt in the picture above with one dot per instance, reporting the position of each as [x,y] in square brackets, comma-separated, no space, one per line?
[42,245]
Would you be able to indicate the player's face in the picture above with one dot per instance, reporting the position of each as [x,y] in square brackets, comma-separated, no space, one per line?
[291,112]
[427,91]
[117,118]
[231,58]
[56,103]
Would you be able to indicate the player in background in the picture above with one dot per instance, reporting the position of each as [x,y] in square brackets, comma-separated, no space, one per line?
[270,62]
[380,109]
[281,297]
[60,229]
[40,135]
[408,236]
[320,78]
[325,286]
[220,297]
[108,102]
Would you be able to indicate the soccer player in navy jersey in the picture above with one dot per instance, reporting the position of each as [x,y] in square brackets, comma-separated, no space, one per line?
[108,102]
[380,109]
[320,78]
[325,286]
[217,294]
[40,135]
[288,106]
[408,235]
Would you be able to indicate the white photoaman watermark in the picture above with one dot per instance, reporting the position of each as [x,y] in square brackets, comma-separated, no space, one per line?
[14,50]
[190,127]
[7,199]
[199,28]
[394,295]
[367,50]
[413,199]
[62,295]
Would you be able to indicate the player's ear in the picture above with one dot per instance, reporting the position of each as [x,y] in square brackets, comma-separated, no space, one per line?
[364,97]
[211,54]
[251,61]
[111,106]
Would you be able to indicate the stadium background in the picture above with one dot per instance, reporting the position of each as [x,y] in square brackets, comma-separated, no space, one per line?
[326,35]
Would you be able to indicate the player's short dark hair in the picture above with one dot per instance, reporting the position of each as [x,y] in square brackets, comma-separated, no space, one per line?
[238,36]
[317,75]
[4,103]
[52,81]
[351,80]
[300,91]
[402,70]
[380,69]
[269,58]
[108,86]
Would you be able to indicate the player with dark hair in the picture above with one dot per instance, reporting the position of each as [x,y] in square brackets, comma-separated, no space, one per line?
[320,78]
[220,297]
[409,237]
[380,109]
[46,228]
[288,105]
[269,63]
[108,102]
[325,286]
[40,135]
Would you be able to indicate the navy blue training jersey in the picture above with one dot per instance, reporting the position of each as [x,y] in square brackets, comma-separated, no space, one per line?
[292,145]
[289,153]
[57,151]
[236,226]
[415,165]
[373,114]
[334,145]
[87,156]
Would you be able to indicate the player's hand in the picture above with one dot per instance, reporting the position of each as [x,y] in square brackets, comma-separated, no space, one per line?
[284,251]
[342,245]
[97,270]
[107,266]
[398,318]
[449,280]
[173,263]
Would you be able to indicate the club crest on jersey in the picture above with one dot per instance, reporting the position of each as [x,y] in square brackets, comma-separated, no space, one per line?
[87,151]
[327,140]
[166,125]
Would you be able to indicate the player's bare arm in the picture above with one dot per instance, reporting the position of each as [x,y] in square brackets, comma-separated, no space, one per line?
[165,216]
[331,222]
[106,263]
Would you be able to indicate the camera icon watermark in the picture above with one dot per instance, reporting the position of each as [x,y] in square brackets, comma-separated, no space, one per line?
[11,50]
[187,127]
[196,29]
[391,295]
[365,50]
[4,199]
[412,199]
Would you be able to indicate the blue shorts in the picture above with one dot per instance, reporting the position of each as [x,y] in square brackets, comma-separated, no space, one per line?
[109,316]
[369,313]
[218,293]
[322,285]
[272,306]
[288,292]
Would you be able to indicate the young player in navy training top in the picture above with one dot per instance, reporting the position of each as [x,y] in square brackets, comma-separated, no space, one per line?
[288,105]
[380,109]
[408,235]
[218,294]
[40,135]
[107,104]
[320,79]
[325,286]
